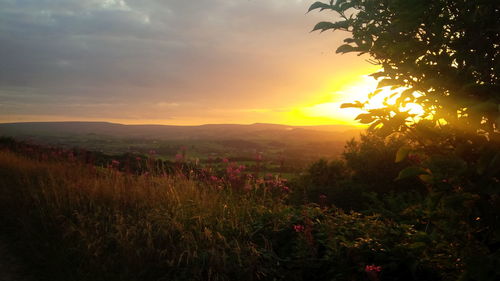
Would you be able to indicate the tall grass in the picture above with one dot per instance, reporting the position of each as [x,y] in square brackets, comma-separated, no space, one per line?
[72,221]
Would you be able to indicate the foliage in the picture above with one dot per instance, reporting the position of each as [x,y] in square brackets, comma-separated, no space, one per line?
[75,221]
[444,53]
[444,56]
[367,166]
[371,160]
[326,183]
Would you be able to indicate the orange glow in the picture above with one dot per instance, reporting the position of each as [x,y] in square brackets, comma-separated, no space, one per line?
[360,90]
[324,108]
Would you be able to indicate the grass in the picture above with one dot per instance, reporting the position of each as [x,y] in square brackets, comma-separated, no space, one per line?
[71,221]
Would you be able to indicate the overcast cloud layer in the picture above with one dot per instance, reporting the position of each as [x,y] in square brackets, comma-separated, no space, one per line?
[160,60]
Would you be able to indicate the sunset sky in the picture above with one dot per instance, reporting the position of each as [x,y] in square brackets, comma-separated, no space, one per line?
[174,62]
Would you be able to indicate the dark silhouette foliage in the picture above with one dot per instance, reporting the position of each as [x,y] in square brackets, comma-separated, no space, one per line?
[443,56]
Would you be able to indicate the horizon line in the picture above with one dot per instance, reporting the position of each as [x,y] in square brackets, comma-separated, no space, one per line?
[360,126]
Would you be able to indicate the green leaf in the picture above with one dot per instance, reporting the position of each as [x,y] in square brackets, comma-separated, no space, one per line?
[346,48]
[323,26]
[402,153]
[319,5]
[427,178]
[410,172]
[347,5]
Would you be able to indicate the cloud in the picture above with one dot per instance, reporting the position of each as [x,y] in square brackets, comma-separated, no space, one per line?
[150,52]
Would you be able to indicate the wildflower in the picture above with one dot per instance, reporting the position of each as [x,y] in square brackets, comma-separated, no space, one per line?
[372,272]
[372,268]
[115,162]
[286,189]
[225,160]
[299,228]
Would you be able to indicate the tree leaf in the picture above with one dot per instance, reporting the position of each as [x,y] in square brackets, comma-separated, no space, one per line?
[356,104]
[346,48]
[365,118]
[410,172]
[426,178]
[385,83]
[319,5]
[323,26]
[402,153]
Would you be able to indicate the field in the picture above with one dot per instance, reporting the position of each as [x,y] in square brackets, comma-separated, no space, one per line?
[275,148]
[73,220]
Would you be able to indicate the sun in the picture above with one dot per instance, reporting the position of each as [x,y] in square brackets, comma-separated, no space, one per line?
[359,90]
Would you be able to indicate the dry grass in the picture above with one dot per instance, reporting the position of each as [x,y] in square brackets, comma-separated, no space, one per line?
[114,221]
[78,222]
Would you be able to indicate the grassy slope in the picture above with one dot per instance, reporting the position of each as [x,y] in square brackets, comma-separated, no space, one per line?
[77,222]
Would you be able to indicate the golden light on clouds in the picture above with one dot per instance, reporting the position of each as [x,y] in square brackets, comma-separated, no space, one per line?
[137,62]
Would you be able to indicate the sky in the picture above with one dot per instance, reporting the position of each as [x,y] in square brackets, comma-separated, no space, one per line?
[175,62]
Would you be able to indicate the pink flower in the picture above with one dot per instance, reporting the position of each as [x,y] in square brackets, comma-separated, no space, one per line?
[115,162]
[298,228]
[372,268]
[225,160]
[286,189]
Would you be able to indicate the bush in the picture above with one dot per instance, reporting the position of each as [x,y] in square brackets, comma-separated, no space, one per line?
[367,169]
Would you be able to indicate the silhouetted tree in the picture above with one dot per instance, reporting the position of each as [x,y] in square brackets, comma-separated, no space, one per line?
[445,53]
[445,56]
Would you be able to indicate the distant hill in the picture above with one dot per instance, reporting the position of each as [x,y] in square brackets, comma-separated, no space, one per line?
[258,131]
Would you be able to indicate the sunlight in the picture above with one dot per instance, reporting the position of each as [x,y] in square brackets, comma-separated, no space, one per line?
[358,91]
